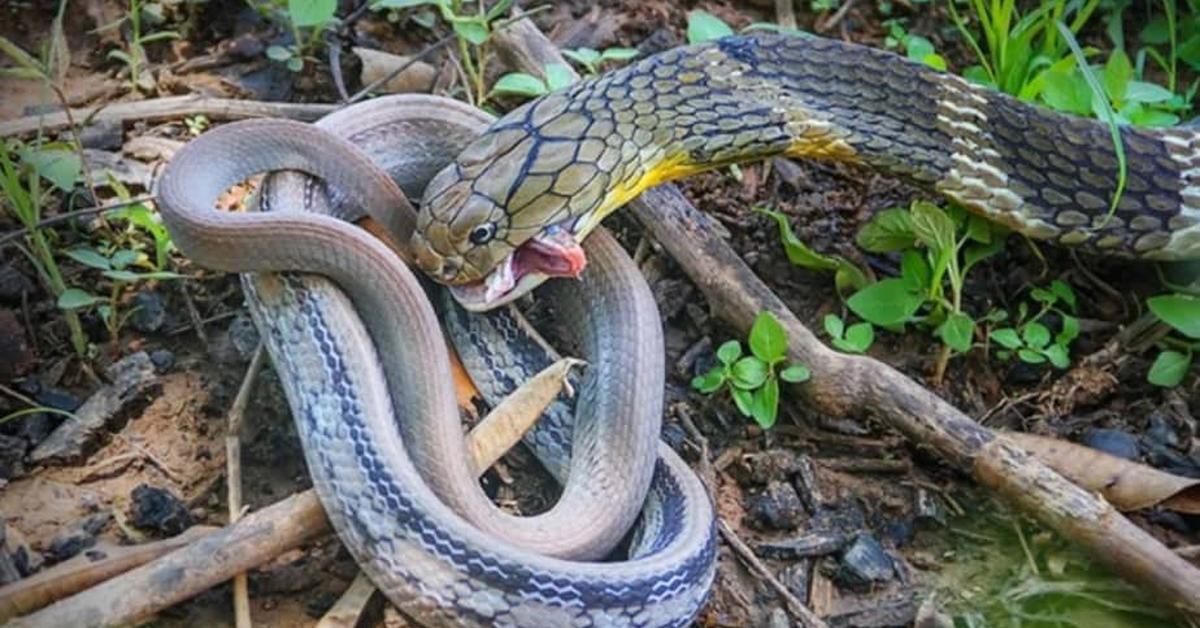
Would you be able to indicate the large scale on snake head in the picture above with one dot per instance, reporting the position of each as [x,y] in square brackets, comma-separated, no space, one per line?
[511,209]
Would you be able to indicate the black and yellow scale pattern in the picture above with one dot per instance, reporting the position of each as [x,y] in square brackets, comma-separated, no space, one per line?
[572,157]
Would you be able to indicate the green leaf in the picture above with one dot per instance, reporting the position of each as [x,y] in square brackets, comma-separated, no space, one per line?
[1070,330]
[1169,369]
[1030,356]
[295,64]
[498,9]
[1006,337]
[704,26]
[1035,335]
[404,4]
[278,53]
[74,299]
[1058,356]
[957,331]
[834,325]
[887,231]
[122,275]
[1155,31]
[1179,311]
[471,30]
[768,340]
[18,56]
[846,274]
[766,404]
[58,166]
[885,303]
[859,338]
[1117,74]
[1067,91]
[558,76]
[520,84]
[587,57]
[915,272]
[795,374]
[744,400]
[710,381]
[618,54]
[304,13]
[749,373]
[1064,292]
[729,352]
[1149,93]
[124,258]
[933,227]
[90,258]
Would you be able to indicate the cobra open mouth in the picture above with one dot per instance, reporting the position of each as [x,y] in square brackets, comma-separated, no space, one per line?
[552,253]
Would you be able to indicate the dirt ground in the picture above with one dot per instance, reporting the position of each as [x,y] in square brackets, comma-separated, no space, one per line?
[809,477]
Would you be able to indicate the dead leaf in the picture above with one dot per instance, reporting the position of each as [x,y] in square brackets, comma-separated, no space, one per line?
[376,64]
[1126,485]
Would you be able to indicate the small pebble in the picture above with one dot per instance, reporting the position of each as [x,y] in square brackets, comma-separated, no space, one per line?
[78,537]
[777,507]
[149,312]
[1115,442]
[163,360]
[12,451]
[157,509]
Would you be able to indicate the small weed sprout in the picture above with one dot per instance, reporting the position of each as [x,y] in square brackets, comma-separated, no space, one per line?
[753,380]
[1182,313]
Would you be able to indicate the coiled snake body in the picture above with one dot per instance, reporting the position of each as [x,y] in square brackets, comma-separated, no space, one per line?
[565,161]
[385,449]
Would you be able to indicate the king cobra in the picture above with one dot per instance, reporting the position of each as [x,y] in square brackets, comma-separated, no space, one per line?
[510,211]
[384,446]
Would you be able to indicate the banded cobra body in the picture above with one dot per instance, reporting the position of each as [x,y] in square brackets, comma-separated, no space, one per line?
[384,445]
[492,224]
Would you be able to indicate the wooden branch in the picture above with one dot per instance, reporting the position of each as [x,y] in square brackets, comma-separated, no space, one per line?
[253,540]
[850,386]
[138,594]
[169,107]
[756,566]
[83,571]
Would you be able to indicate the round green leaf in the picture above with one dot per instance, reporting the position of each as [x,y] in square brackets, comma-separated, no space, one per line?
[766,404]
[1058,356]
[1169,368]
[749,373]
[704,26]
[885,303]
[305,13]
[795,374]
[1180,311]
[278,53]
[834,326]
[1035,335]
[90,258]
[958,331]
[729,352]
[74,298]
[520,84]
[1006,337]
[1030,356]
[744,400]
[768,341]
[887,231]
[860,337]
[558,76]
[709,382]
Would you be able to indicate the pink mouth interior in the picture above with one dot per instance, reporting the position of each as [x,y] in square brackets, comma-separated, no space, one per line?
[554,256]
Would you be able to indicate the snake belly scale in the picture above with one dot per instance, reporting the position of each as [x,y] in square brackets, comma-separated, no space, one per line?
[384,446]
[568,159]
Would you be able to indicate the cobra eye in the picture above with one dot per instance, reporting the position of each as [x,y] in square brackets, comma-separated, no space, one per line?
[483,233]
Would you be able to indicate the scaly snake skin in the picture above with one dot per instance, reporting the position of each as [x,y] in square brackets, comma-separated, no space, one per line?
[572,157]
[384,446]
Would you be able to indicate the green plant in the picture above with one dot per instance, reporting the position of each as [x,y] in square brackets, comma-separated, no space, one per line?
[558,76]
[473,32]
[846,275]
[856,338]
[135,58]
[1180,34]
[306,19]
[592,59]
[1014,51]
[1182,313]
[118,267]
[22,169]
[938,247]
[704,26]
[1031,338]
[196,124]
[915,47]
[753,380]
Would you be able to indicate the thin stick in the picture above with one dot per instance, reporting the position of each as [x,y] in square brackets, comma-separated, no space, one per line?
[756,566]
[233,462]
[78,213]
[167,108]
[346,612]
[253,540]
